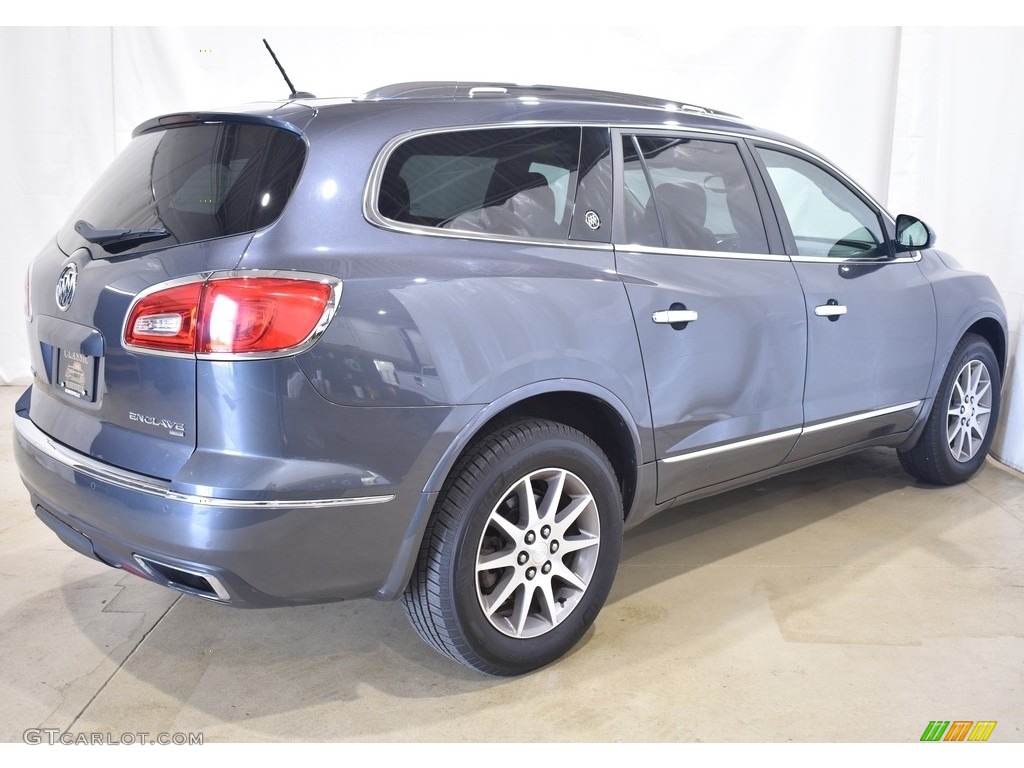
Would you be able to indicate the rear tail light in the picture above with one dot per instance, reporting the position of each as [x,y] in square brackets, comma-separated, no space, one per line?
[251,314]
[165,320]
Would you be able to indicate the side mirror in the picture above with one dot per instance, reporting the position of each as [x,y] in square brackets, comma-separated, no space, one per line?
[912,234]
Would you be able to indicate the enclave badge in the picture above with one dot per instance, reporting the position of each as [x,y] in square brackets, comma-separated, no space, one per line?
[66,286]
[174,428]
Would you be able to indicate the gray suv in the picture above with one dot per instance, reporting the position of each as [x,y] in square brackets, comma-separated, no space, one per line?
[444,342]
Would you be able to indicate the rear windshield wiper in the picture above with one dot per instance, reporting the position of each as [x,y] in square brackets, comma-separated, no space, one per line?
[116,240]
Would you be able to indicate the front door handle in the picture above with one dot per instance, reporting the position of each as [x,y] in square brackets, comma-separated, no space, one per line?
[831,309]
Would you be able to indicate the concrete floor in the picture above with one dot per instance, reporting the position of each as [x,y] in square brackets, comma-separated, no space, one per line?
[841,603]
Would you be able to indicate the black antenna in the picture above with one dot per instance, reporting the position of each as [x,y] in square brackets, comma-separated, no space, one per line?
[295,94]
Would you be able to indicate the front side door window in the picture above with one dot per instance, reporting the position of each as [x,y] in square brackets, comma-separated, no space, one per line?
[827,218]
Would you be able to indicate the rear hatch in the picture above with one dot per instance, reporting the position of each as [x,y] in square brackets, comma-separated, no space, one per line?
[183,199]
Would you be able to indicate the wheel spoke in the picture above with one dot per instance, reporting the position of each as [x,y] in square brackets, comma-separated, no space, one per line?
[521,609]
[508,528]
[568,576]
[547,601]
[549,504]
[501,593]
[527,503]
[958,450]
[576,544]
[504,559]
[974,373]
[982,389]
[571,513]
[952,429]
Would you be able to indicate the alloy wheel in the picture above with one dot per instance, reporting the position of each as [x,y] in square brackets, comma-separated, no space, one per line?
[538,553]
[970,406]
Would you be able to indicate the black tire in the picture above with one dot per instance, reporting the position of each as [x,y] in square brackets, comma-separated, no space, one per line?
[498,620]
[963,418]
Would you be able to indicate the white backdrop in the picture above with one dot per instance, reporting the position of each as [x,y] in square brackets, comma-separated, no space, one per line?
[929,120]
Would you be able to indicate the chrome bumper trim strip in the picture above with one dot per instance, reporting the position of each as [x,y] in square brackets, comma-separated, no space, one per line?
[75,462]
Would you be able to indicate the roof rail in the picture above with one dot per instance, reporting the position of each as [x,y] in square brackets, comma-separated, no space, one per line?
[451,90]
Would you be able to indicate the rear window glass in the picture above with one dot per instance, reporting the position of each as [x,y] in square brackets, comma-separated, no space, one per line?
[508,181]
[198,182]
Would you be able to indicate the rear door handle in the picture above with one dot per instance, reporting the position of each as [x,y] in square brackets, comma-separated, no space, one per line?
[670,316]
[832,309]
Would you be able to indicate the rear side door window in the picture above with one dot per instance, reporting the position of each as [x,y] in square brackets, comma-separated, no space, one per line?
[689,194]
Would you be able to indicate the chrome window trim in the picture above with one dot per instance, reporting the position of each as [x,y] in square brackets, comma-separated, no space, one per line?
[318,330]
[655,250]
[81,464]
[831,260]
[461,234]
[793,432]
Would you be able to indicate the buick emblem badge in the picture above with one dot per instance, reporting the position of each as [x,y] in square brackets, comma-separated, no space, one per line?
[593,220]
[66,286]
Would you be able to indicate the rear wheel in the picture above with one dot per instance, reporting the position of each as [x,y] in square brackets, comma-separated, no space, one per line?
[521,551]
[963,418]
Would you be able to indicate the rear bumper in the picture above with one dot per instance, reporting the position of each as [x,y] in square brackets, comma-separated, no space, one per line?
[243,552]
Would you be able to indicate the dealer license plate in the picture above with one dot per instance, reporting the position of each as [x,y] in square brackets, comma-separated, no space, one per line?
[76,374]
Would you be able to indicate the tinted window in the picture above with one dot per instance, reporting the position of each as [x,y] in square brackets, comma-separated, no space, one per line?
[509,181]
[826,217]
[702,196]
[198,182]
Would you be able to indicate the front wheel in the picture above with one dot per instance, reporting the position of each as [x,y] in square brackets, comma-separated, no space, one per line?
[963,418]
[521,551]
